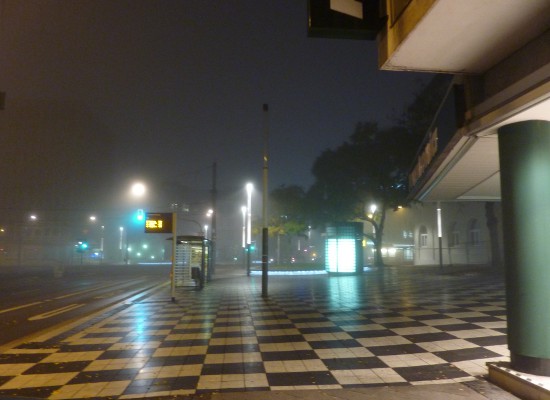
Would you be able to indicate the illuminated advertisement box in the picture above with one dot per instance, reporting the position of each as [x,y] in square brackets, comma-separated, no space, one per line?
[343,247]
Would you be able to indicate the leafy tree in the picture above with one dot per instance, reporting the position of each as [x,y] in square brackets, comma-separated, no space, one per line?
[370,168]
[287,216]
[418,116]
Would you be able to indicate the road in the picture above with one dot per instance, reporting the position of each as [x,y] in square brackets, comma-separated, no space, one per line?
[33,300]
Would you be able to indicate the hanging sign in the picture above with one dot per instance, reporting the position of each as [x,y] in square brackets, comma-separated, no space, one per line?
[158,223]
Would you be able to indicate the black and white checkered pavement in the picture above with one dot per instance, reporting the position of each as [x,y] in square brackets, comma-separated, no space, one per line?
[386,327]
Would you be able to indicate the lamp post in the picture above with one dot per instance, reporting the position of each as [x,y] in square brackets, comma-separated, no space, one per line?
[137,191]
[209,214]
[93,219]
[249,188]
[120,242]
[440,235]
[265,229]
[23,227]
[243,210]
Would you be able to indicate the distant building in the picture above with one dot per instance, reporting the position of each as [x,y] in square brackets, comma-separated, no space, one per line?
[411,235]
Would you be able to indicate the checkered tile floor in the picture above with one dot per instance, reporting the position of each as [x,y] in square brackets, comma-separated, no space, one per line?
[391,327]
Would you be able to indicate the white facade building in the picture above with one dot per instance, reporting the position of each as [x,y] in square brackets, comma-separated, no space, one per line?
[411,235]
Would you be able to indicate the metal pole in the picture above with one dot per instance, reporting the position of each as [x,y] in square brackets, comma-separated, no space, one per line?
[213,231]
[248,225]
[243,210]
[440,235]
[265,232]
[174,247]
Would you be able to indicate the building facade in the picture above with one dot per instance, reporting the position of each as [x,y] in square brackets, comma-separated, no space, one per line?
[411,235]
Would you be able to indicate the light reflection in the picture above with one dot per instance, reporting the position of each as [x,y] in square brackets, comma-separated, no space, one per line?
[344,292]
[290,272]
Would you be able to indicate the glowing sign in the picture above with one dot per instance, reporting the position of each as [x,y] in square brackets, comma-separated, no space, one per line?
[344,251]
[341,255]
[158,223]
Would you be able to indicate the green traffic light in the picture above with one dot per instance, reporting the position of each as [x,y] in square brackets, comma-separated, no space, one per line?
[82,246]
[140,215]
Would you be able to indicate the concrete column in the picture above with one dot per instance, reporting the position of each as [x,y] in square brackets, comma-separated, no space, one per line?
[525,183]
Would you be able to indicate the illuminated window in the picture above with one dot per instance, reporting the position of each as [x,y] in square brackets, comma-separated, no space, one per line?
[423,236]
[454,235]
[474,233]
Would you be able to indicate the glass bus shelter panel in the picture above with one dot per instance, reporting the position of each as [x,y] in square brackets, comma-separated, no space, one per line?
[189,259]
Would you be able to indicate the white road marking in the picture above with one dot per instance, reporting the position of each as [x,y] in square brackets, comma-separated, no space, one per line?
[19,307]
[55,312]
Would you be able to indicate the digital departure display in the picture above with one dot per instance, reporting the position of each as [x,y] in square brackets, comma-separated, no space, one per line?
[158,223]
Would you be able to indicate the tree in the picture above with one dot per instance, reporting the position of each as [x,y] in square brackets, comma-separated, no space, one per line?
[418,116]
[370,168]
[287,216]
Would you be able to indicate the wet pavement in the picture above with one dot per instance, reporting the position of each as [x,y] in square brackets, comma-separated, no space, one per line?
[396,332]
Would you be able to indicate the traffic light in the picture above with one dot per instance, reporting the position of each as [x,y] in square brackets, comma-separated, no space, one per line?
[139,216]
[81,246]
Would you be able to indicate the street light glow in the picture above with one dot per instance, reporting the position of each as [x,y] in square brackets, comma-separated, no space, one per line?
[138,189]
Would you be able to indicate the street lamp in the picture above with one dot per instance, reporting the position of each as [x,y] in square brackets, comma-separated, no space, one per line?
[93,219]
[120,242]
[243,210]
[138,189]
[24,227]
[209,214]
[249,188]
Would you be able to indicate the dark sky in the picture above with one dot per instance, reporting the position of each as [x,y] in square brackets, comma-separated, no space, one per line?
[102,91]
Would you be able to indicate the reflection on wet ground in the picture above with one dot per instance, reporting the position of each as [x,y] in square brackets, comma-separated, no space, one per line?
[393,326]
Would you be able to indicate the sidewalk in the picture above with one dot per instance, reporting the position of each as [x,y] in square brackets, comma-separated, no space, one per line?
[388,334]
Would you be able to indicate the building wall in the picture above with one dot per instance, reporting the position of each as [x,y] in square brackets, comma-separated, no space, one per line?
[413,231]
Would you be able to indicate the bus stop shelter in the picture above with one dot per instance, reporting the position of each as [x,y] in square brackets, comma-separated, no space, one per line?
[192,262]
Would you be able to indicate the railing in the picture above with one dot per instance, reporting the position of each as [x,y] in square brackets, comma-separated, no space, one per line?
[448,118]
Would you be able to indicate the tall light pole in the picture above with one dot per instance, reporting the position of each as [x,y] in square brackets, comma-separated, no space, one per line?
[243,210]
[121,242]
[93,219]
[137,191]
[440,235]
[32,218]
[209,214]
[249,188]
[265,232]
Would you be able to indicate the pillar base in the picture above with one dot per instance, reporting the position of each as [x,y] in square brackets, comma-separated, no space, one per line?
[530,365]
